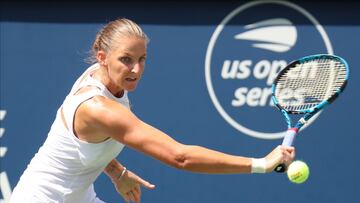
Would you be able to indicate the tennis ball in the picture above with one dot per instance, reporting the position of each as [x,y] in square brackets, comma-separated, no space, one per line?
[298,172]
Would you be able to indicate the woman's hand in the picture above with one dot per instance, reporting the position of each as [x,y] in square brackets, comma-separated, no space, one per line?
[129,186]
[280,155]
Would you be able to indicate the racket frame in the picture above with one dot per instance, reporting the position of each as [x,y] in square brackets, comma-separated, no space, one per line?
[292,131]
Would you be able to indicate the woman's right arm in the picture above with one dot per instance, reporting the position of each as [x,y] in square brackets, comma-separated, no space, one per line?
[107,117]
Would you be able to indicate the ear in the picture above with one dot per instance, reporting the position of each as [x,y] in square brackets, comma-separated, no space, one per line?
[101,57]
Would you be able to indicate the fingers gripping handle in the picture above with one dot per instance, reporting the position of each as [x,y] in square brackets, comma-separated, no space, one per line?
[287,141]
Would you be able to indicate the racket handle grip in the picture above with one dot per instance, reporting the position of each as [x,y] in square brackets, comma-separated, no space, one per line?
[287,141]
[290,137]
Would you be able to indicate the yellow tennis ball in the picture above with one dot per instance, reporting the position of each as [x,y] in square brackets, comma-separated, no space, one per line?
[298,172]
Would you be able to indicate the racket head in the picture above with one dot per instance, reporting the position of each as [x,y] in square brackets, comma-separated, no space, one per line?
[310,83]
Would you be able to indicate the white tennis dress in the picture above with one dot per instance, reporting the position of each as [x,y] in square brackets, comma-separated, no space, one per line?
[65,167]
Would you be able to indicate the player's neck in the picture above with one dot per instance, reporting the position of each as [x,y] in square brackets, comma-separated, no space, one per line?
[104,78]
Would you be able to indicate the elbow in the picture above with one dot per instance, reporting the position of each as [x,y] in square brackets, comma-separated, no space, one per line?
[181,159]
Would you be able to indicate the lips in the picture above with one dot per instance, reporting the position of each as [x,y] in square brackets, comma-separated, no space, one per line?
[131,79]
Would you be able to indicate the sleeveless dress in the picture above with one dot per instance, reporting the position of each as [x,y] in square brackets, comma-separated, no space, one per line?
[65,167]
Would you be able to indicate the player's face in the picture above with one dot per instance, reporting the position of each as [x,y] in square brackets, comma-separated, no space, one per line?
[126,62]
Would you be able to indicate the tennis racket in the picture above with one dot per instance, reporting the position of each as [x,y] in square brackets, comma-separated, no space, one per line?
[304,87]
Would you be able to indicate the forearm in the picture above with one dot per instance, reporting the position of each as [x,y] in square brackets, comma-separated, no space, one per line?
[203,160]
[114,169]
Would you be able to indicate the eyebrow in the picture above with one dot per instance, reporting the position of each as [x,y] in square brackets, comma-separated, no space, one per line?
[128,54]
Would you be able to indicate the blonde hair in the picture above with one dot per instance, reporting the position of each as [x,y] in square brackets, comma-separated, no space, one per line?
[106,37]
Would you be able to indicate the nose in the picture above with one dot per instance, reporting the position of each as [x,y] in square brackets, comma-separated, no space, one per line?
[137,68]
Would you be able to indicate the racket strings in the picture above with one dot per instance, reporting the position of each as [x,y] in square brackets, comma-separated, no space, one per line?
[307,84]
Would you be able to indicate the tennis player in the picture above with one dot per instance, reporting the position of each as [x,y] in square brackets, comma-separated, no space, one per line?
[94,123]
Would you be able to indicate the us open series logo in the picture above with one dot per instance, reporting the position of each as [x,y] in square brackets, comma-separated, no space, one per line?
[5,189]
[247,50]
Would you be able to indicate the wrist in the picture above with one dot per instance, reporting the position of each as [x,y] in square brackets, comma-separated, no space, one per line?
[122,174]
[258,165]
[114,170]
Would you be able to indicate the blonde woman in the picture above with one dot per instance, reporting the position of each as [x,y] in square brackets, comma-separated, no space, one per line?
[95,122]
